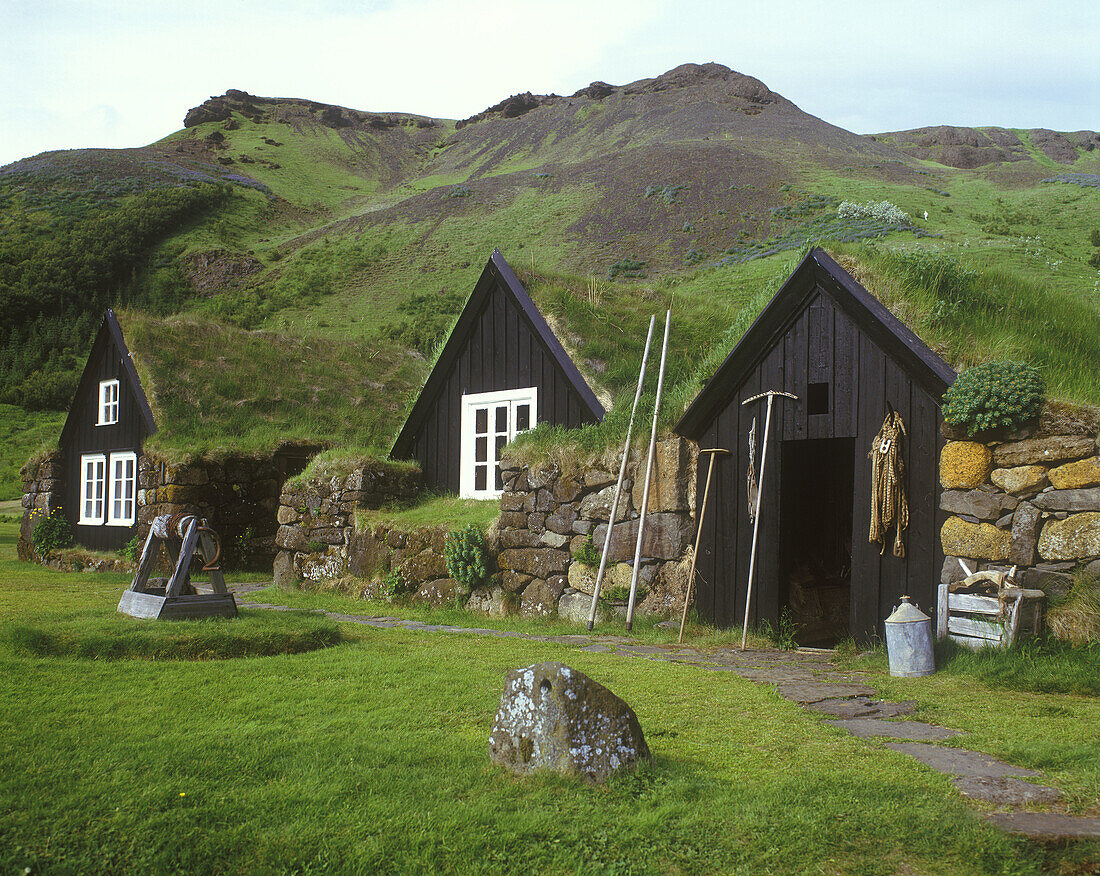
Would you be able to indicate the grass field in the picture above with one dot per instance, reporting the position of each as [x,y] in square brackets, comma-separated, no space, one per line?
[371,756]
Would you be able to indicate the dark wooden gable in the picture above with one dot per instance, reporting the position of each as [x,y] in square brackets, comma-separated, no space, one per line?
[500,342]
[827,340]
[109,359]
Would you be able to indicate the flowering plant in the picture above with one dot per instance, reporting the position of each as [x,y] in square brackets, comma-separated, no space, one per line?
[993,395]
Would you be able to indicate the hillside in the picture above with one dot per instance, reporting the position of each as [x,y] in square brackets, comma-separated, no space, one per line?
[697,186]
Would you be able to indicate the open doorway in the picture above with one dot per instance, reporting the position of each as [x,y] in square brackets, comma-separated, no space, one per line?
[815,566]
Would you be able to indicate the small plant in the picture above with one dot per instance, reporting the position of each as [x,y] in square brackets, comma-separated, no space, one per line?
[316,547]
[457,192]
[396,583]
[621,593]
[1094,259]
[466,555]
[994,395]
[1094,237]
[783,633]
[587,554]
[51,532]
[132,549]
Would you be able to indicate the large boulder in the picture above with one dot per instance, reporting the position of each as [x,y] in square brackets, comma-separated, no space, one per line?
[540,598]
[1025,534]
[538,562]
[977,503]
[671,480]
[1069,500]
[964,465]
[1076,537]
[554,718]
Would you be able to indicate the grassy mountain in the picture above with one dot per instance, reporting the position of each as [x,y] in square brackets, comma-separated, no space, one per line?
[696,187]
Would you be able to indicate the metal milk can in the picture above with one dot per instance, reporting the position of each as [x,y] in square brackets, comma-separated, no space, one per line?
[909,641]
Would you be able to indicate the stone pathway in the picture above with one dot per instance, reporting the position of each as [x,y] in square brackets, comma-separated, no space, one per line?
[809,678]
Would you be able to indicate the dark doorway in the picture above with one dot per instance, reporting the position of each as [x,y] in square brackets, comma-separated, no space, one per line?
[815,553]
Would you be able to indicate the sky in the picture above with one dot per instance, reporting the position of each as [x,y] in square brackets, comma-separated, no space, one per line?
[119,73]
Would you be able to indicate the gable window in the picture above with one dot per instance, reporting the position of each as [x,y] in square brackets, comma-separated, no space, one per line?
[489,421]
[93,488]
[108,402]
[120,507]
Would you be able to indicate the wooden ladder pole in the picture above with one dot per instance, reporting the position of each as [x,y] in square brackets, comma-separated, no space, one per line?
[619,483]
[648,476]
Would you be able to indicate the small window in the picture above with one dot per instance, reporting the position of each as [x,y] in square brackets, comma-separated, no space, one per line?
[108,402]
[817,398]
[93,487]
[489,421]
[121,504]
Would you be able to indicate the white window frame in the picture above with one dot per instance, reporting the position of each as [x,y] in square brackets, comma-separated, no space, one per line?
[467,463]
[93,474]
[108,402]
[122,491]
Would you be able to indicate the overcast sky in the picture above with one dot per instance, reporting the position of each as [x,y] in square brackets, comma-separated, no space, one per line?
[77,73]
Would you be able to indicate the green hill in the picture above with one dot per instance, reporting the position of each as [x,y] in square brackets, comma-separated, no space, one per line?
[697,187]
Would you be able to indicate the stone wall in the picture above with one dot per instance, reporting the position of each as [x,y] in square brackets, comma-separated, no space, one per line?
[1032,502]
[43,490]
[317,538]
[548,511]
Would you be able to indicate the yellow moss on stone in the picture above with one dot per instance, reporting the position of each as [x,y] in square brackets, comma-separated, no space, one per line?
[964,465]
[1076,475]
[978,541]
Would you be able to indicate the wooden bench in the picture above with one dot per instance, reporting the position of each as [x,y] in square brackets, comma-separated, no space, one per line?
[977,621]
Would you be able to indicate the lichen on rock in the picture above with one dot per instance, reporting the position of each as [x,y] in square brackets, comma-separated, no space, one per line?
[552,717]
[964,465]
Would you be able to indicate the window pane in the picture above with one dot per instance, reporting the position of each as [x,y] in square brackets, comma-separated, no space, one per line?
[523,417]
[502,418]
[501,441]
[481,449]
[479,477]
[481,421]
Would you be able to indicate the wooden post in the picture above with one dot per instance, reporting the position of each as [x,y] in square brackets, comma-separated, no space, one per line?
[179,576]
[714,451]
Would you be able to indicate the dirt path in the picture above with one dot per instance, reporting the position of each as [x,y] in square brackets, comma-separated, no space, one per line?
[810,679]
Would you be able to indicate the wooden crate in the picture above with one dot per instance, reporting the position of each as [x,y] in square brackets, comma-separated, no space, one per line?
[976,621]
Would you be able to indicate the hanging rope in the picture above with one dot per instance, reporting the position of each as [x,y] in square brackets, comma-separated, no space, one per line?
[753,489]
[888,502]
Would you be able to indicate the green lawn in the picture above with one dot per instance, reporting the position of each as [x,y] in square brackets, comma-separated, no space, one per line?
[371,756]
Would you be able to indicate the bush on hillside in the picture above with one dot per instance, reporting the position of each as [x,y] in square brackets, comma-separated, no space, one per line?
[883,211]
[994,395]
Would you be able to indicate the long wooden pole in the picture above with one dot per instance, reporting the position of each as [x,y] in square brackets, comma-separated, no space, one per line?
[648,476]
[713,451]
[759,495]
[622,475]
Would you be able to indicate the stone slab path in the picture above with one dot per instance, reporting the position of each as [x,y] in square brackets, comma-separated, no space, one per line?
[809,678]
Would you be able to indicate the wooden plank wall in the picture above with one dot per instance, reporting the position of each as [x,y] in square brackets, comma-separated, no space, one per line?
[86,437]
[822,345]
[501,352]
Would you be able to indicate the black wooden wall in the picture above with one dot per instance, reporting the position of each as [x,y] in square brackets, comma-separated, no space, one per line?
[81,435]
[500,342]
[823,344]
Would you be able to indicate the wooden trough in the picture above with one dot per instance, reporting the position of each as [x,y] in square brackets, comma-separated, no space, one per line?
[176,599]
[986,610]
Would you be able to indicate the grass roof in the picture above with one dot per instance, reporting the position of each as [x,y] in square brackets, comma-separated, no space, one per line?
[215,389]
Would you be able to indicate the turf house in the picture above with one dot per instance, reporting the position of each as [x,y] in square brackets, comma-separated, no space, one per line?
[148,433]
[501,372]
[852,364]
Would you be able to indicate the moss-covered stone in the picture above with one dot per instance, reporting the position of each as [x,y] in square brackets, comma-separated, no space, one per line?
[1075,475]
[981,541]
[1075,538]
[964,465]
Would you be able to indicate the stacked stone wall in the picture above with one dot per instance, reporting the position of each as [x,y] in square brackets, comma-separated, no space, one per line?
[548,511]
[1032,502]
[43,491]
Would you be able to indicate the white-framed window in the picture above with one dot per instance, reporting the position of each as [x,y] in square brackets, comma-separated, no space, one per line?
[489,421]
[108,402]
[108,489]
[93,488]
[122,489]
